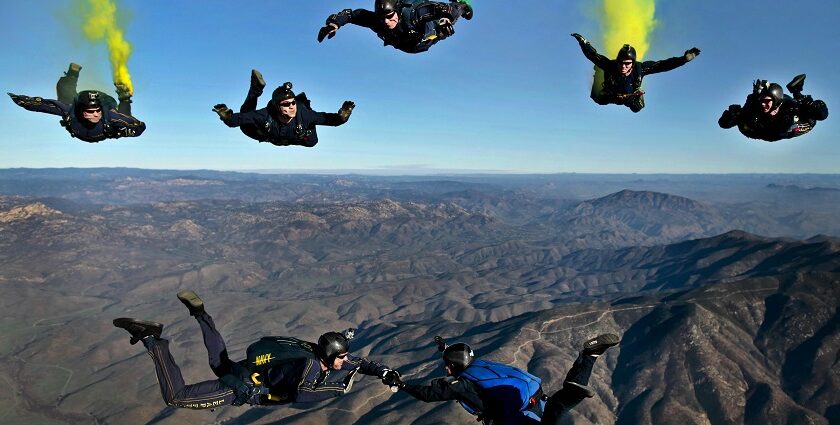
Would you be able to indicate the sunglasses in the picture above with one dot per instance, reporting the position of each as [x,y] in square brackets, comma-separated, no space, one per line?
[92,111]
[627,63]
[287,104]
[341,356]
[390,15]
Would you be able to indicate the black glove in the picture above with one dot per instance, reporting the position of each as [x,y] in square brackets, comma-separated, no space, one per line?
[441,343]
[580,38]
[346,110]
[691,53]
[328,31]
[391,378]
[445,28]
[224,112]
[759,85]
[122,92]
[18,99]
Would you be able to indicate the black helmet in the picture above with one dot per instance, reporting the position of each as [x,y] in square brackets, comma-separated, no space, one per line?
[280,94]
[385,7]
[775,92]
[626,52]
[458,357]
[87,99]
[330,345]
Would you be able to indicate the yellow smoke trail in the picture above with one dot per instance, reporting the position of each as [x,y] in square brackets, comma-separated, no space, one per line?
[627,22]
[624,22]
[101,24]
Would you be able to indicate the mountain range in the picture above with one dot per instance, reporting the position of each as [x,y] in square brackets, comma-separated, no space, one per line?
[728,309]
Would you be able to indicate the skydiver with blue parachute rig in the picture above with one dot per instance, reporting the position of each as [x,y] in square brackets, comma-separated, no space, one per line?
[498,394]
[276,370]
[412,26]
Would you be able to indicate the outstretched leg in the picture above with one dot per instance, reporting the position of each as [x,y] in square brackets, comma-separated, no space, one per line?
[66,87]
[217,354]
[203,395]
[575,387]
[250,104]
[254,92]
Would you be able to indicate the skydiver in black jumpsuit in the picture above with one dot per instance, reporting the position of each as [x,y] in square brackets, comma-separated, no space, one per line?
[287,120]
[412,26]
[623,76]
[90,115]
[770,115]
[324,372]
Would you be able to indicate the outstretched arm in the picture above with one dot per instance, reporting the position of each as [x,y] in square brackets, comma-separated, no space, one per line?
[439,389]
[599,60]
[366,367]
[360,17]
[332,120]
[38,104]
[653,67]
[256,118]
[126,125]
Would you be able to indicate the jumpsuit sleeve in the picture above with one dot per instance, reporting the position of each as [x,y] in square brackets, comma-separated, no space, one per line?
[598,59]
[653,67]
[322,118]
[255,118]
[443,389]
[38,104]
[360,17]
[126,125]
[366,367]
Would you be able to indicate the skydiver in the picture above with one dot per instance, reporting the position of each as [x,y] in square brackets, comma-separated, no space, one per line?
[303,372]
[412,26]
[287,120]
[769,114]
[90,115]
[623,76]
[499,394]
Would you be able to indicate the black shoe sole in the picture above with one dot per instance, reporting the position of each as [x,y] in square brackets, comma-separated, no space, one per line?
[600,343]
[139,329]
[256,76]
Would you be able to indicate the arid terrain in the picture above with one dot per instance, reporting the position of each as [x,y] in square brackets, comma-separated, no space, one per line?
[725,289]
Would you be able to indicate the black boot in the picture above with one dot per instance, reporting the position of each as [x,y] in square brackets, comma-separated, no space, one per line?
[73,70]
[257,80]
[139,329]
[599,344]
[796,85]
[468,10]
[192,301]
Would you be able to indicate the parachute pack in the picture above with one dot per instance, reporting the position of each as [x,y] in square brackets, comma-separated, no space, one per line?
[517,389]
[273,350]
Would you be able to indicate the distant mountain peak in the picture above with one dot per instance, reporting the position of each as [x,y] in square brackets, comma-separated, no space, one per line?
[646,200]
[28,211]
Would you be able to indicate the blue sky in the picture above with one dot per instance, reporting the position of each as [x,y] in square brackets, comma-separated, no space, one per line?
[508,93]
